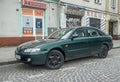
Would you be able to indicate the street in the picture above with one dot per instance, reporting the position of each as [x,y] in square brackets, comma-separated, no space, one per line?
[90,69]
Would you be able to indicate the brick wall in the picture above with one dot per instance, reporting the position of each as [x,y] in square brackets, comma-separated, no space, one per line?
[14,41]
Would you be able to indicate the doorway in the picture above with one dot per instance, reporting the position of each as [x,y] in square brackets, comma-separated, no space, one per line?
[111,28]
[39,28]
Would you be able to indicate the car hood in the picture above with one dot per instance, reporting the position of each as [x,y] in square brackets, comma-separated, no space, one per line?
[32,44]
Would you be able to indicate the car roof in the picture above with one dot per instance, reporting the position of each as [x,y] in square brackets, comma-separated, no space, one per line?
[87,27]
[91,28]
[83,27]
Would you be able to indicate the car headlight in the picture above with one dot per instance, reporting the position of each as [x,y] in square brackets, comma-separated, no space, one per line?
[32,50]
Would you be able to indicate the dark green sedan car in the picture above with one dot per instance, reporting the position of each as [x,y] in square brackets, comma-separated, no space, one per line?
[65,44]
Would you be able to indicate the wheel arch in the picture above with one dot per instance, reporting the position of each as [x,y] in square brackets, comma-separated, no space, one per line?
[59,49]
[106,44]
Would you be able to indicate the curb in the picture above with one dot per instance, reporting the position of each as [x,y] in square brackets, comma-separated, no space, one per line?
[115,47]
[9,62]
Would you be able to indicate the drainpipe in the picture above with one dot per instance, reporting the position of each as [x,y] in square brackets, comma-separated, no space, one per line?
[20,18]
[59,13]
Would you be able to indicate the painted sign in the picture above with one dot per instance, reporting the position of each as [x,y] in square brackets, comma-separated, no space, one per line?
[27,31]
[26,11]
[95,14]
[73,10]
[34,3]
[39,13]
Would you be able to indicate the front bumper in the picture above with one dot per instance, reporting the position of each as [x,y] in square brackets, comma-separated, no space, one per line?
[35,59]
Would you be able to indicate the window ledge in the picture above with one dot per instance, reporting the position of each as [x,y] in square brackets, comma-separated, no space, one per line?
[98,3]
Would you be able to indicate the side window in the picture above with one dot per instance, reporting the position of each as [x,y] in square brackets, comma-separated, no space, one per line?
[92,33]
[79,33]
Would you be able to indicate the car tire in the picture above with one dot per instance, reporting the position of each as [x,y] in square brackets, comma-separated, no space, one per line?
[54,60]
[104,52]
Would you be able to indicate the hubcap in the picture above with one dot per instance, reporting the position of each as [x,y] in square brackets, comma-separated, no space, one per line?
[105,51]
[54,60]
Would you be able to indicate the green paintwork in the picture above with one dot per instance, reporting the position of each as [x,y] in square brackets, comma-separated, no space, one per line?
[71,47]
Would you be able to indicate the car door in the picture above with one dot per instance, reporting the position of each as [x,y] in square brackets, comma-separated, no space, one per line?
[94,40]
[78,44]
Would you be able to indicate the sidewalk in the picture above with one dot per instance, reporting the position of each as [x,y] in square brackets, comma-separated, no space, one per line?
[7,55]
[116,43]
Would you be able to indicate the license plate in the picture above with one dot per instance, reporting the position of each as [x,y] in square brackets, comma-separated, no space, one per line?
[17,56]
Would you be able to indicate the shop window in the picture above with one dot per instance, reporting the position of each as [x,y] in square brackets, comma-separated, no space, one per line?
[95,22]
[27,25]
[73,21]
[26,11]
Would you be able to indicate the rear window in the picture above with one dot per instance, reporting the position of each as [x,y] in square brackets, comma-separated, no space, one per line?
[92,32]
[101,33]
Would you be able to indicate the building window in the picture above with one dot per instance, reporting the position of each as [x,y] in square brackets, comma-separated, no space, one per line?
[73,21]
[98,1]
[113,4]
[95,22]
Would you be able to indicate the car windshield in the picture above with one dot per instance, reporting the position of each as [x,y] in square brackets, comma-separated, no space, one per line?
[61,33]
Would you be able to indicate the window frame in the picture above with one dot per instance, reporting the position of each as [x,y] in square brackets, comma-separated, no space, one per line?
[113,4]
[98,2]
[84,30]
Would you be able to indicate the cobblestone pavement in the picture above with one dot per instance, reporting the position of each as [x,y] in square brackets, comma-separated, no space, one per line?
[91,69]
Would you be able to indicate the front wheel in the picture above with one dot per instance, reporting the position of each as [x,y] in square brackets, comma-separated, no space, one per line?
[104,52]
[55,59]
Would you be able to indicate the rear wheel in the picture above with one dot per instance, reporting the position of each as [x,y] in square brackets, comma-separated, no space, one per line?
[104,52]
[55,59]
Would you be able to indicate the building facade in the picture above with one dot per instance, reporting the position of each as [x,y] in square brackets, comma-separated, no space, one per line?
[26,20]
[83,13]
[102,14]
[112,18]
